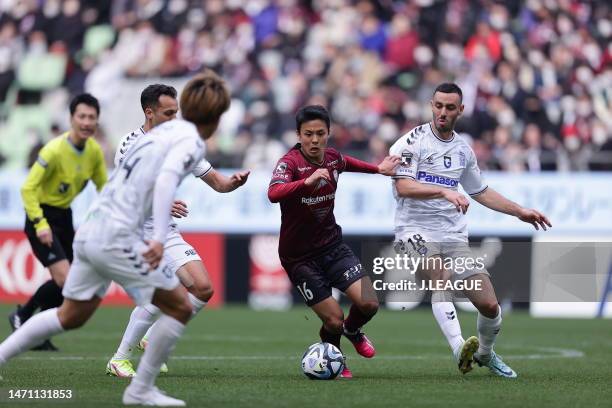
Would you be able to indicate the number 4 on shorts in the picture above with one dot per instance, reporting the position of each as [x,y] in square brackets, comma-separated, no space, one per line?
[305,292]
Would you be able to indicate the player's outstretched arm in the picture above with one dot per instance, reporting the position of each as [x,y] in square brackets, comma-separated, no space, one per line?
[495,201]
[386,167]
[410,188]
[224,184]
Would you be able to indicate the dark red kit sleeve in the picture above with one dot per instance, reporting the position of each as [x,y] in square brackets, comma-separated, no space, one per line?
[358,166]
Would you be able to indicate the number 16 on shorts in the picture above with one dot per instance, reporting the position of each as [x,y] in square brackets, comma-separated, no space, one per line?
[305,292]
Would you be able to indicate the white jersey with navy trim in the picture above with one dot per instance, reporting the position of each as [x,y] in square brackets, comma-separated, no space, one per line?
[125,143]
[430,160]
[201,170]
[126,202]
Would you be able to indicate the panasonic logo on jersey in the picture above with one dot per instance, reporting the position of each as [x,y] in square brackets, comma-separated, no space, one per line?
[428,178]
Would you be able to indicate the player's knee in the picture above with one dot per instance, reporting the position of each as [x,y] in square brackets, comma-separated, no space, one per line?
[369,308]
[203,291]
[334,323]
[59,274]
[71,320]
[60,280]
[489,309]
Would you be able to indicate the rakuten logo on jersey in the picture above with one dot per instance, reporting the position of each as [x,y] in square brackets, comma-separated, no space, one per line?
[318,199]
[443,181]
[20,272]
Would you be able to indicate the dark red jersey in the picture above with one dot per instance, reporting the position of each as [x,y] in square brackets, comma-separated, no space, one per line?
[308,225]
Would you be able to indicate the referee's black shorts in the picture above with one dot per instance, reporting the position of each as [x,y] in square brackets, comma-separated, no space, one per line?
[60,221]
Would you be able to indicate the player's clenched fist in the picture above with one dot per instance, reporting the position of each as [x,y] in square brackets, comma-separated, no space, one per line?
[460,202]
[319,174]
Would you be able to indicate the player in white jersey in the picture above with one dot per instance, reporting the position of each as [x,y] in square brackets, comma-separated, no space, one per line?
[159,105]
[110,244]
[430,223]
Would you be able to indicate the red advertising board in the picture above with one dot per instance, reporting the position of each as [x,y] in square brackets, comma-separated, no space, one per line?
[270,287]
[21,273]
[211,248]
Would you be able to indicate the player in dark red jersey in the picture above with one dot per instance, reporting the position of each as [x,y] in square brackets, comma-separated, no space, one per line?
[311,248]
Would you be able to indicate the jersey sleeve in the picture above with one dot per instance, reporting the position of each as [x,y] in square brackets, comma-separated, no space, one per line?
[29,190]
[202,168]
[409,151]
[99,176]
[283,172]
[471,180]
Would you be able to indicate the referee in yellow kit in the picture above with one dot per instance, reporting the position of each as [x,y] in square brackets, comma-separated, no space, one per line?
[62,170]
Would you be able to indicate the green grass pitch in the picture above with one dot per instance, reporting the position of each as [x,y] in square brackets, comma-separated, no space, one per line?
[235,357]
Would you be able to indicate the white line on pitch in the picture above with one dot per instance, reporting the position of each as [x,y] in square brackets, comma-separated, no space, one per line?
[554,353]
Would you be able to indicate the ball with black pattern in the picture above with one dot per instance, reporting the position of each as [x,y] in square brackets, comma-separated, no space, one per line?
[322,361]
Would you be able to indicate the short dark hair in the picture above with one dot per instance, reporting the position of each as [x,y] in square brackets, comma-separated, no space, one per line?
[449,87]
[312,112]
[86,99]
[149,98]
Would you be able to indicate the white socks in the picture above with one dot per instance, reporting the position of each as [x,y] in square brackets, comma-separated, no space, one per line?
[447,319]
[39,327]
[161,343]
[141,319]
[196,304]
[487,332]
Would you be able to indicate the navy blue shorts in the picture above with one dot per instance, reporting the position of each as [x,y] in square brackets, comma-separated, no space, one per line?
[314,278]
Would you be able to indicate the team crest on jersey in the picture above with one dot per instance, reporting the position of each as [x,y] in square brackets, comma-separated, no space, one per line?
[406,158]
[63,188]
[462,159]
[188,162]
[335,175]
[447,162]
[281,168]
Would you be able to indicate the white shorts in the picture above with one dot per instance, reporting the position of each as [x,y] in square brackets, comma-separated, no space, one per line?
[177,252]
[453,248]
[94,268]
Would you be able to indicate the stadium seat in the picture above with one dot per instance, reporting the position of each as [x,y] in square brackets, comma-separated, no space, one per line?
[98,38]
[15,144]
[41,72]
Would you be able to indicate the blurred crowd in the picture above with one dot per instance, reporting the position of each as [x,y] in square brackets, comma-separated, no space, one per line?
[536,74]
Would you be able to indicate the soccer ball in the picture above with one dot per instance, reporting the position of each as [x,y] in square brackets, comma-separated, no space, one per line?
[322,361]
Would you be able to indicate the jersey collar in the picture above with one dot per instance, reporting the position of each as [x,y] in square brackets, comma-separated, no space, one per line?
[76,149]
[439,138]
